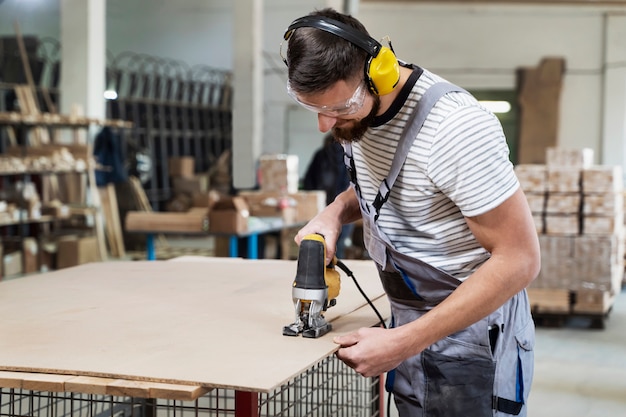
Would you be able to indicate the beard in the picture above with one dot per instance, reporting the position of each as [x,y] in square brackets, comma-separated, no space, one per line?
[355,132]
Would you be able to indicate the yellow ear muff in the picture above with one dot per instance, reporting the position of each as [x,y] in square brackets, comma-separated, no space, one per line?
[383,71]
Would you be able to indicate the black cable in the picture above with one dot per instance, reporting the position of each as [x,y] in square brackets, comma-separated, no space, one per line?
[349,273]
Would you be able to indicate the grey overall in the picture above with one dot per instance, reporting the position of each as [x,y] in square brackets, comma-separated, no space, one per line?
[483,370]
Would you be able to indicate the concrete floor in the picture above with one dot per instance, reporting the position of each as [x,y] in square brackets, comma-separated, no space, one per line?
[580,371]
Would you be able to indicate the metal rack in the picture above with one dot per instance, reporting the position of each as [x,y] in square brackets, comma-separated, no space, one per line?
[176,110]
[327,389]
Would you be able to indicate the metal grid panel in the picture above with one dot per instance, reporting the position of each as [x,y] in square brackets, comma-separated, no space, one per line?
[327,389]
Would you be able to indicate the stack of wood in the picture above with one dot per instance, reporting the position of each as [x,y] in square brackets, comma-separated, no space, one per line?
[578,210]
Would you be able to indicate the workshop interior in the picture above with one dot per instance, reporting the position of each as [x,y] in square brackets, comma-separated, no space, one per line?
[155,172]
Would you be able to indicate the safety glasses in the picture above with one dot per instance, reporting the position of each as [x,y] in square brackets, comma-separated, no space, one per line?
[351,106]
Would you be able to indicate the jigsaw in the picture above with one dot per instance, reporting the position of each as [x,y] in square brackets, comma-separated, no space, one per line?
[314,290]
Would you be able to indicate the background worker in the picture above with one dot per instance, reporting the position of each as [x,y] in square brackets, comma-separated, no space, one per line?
[444,219]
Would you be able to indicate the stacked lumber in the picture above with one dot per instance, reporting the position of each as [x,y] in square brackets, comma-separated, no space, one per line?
[578,208]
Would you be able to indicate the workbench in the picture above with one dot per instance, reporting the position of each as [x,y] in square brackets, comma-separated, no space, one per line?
[181,329]
[261,226]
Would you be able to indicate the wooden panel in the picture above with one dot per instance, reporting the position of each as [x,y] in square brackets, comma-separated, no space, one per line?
[216,323]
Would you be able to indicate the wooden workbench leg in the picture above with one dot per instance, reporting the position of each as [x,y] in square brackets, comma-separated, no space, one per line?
[246,404]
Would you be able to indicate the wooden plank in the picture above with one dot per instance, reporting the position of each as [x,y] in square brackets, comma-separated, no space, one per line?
[44,382]
[128,388]
[88,385]
[189,222]
[98,216]
[144,389]
[29,107]
[111,220]
[114,217]
[177,392]
[9,379]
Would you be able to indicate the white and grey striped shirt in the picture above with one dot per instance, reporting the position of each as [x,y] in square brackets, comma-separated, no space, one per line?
[458,166]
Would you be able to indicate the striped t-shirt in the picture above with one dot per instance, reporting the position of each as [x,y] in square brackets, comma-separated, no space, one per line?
[457,166]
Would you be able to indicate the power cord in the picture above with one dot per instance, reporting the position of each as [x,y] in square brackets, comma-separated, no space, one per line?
[349,273]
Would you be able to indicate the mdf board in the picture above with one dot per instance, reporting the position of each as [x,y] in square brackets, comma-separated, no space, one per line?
[215,323]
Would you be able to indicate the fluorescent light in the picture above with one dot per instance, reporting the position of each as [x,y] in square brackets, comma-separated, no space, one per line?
[496,106]
[110,94]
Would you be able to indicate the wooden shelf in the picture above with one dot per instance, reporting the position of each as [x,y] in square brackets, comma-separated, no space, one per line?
[58,121]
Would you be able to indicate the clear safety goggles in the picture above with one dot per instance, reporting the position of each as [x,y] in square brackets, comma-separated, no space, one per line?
[350,106]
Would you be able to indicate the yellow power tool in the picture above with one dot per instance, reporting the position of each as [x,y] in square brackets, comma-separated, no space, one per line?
[315,288]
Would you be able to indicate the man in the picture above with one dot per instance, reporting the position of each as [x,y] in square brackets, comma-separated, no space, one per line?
[445,221]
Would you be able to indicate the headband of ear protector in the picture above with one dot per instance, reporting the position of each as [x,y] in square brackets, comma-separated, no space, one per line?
[381,68]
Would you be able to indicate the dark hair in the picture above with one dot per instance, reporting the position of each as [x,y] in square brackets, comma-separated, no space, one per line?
[318,59]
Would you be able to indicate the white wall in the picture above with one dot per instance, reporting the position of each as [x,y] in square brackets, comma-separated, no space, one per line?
[481,46]
[475,46]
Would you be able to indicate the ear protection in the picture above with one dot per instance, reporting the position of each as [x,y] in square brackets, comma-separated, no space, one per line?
[381,68]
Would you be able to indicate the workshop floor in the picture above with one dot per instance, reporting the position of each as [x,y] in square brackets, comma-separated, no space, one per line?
[579,371]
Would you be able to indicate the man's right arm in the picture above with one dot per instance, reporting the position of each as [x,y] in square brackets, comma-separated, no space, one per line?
[344,209]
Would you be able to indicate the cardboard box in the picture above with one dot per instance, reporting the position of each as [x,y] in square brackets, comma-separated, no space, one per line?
[190,185]
[205,199]
[229,215]
[564,179]
[577,158]
[279,173]
[602,178]
[563,203]
[262,203]
[562,224]
[532,177]
[307,204]
[75,250]
[181,166]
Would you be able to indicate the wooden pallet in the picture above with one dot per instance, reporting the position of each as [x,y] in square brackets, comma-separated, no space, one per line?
[556,306]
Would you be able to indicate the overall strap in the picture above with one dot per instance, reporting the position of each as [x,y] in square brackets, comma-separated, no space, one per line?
[412,127]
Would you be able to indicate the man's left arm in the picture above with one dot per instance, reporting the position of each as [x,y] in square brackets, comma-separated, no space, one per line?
[509,234]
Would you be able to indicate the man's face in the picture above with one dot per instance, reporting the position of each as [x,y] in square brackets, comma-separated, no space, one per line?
[352,130]
[347,108]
